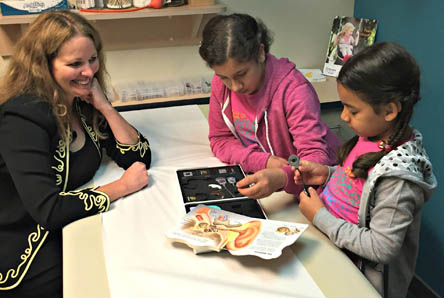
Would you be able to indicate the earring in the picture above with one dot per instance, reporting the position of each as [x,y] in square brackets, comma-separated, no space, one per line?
[263,58]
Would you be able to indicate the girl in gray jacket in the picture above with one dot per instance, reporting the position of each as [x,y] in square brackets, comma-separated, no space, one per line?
[372,200]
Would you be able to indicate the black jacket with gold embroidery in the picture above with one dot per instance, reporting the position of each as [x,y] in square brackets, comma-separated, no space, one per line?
[39,181]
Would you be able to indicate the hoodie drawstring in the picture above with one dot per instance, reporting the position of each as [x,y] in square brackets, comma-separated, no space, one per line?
[233,129]
[266,133]
[227,121]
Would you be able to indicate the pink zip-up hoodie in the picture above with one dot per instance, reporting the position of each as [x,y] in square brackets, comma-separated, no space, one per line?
[287,122]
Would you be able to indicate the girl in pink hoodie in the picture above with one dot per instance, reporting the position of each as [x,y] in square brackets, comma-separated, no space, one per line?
[262,109]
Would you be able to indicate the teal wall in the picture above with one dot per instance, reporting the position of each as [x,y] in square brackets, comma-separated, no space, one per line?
[418,25]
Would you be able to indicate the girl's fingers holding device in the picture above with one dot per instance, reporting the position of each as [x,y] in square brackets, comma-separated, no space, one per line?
[245,183]
[310,205]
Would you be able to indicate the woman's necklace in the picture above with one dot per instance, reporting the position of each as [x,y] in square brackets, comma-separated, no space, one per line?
[73,136]
[77,134]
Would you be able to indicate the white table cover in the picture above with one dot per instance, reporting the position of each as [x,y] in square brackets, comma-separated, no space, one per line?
[142,262]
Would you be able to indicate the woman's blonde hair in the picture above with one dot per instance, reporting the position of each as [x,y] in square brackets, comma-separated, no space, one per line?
[30,67]
[346,27]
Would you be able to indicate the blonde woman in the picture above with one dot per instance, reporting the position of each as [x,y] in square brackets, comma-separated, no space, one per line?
[54,123]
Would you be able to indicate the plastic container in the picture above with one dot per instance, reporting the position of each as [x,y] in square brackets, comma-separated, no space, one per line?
[119,4]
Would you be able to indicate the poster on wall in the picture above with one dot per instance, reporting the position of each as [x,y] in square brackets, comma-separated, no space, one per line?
[348,36]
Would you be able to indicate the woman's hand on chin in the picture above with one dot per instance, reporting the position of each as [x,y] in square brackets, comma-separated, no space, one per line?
[96,97]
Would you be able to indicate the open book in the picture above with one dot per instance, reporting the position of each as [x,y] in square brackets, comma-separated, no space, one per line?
[348,36]
[208,229]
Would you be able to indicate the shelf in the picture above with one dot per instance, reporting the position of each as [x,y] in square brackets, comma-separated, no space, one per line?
[326,91]
[146,28]
[189,97]
[144,13]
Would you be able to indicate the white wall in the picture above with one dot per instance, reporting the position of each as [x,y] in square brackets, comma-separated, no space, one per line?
[301,27]
[301,30]
[157,64]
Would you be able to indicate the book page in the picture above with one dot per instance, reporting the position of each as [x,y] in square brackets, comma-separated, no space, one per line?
[207,228]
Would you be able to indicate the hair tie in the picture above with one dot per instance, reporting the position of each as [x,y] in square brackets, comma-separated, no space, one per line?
[384,146]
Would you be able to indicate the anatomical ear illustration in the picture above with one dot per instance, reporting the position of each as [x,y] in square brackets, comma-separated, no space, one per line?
[221,231]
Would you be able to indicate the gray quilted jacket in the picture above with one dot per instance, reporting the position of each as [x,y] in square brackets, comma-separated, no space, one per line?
[387,233]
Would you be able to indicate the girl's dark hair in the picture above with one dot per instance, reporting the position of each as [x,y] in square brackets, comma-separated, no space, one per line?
[380,74]
[236,36]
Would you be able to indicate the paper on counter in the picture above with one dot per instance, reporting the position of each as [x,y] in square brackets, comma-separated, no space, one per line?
[313,75]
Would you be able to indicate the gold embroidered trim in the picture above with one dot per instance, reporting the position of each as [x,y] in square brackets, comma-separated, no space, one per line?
[27,257]
[99,200]
[89,130]
[60,157]
[140,146]
[67,159]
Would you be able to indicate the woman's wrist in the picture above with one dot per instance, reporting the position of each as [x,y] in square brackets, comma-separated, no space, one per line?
[115,190]
[106,108]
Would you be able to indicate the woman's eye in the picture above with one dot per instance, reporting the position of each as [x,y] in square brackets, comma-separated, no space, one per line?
[76,64]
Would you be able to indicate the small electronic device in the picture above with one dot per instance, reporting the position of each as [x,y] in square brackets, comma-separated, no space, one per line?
[293,160]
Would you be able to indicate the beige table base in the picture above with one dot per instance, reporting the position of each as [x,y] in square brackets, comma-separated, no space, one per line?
[84,271]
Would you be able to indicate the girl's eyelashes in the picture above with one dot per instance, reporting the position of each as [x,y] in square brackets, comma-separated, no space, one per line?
[240,75]
[225,80]
[237,76]
[350,109]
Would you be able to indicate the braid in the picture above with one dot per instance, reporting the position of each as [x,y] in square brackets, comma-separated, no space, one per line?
[400,128]
[345,149]
[365,162]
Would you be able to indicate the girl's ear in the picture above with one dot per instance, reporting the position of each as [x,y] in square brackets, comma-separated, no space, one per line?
[392,110]
[261,53]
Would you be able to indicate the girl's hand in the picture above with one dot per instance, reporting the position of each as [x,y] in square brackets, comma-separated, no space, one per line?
[96,97]
[135,177]
[313,173]
[263,183]
[309,206]
[276,162]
